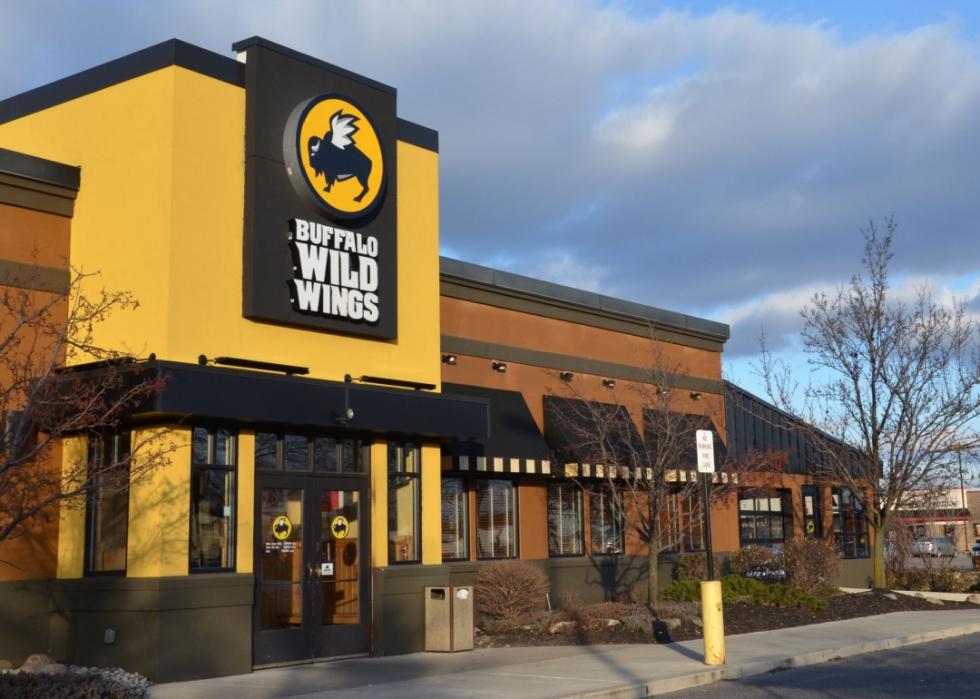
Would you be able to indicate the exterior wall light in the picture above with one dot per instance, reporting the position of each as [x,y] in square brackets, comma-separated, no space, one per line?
[609,383]
[663,391]
[566,375]
[695,395]
[500,367]
[450,359]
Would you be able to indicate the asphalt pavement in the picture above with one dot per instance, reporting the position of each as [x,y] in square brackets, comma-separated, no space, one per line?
[595,672]
[937,670]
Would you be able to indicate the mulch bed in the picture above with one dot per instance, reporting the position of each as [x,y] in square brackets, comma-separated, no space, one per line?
[680,621]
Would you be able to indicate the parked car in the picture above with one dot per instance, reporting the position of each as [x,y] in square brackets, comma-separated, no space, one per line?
[935,546]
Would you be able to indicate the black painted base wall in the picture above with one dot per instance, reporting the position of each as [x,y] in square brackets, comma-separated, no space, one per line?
[165,628]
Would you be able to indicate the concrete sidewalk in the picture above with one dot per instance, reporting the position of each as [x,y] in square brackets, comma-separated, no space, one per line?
[616,672]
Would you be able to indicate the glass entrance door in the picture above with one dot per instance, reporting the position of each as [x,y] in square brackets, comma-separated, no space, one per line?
[312,584]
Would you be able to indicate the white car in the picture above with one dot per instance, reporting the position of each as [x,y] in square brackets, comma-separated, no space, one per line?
[935,546]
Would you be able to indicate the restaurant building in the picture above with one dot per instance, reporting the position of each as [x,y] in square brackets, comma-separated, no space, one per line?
[354,418]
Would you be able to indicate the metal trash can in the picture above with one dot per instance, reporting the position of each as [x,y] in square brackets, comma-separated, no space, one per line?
[448,619]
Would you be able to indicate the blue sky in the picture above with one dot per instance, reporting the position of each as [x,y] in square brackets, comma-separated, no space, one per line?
[717,159]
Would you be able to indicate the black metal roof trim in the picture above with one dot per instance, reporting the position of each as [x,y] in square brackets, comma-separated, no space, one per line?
[253,397]
[588,299]
[244,44]
[39,169]
[173,52]
[513,431]
[417,135]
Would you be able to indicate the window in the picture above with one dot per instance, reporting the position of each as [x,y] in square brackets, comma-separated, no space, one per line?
[812,517]
[762,518]
[565,535]
[215,455]
[108,504]
[605,522]
[850,524]
[303,453]
[404,466]
[496,519]
[455,514]
[692,534]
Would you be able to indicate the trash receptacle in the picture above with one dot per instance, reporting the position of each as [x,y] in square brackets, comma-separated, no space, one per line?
[448,619]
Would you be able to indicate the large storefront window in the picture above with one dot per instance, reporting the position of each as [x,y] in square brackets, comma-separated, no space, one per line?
[455,516]
[496,519]
[565,528]
[215,455]
[812,512]
[850,524]
[304,453]
[404,492]
[108,504]
[763,518]
[605,522]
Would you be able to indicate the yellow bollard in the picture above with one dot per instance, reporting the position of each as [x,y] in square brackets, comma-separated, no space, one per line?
[713,622]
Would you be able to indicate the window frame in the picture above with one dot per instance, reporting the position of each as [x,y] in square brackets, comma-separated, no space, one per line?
[816,492]
[361,450]
[839,516]
[785,516]
[619,521]
[417,503]
[464,519]
[485,483]
[91,498]
[580,502]
[211,464]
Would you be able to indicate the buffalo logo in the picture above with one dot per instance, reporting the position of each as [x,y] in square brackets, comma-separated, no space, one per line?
[281,527]
[333,151]
[340,527]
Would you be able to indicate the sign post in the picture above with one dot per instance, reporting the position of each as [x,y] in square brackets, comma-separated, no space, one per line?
[706,467]
[712,618]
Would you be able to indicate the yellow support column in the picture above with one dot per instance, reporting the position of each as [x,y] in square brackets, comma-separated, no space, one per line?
[71,515]
[379,504]
[713,621]
[431,504]
[159,507]
[246,502]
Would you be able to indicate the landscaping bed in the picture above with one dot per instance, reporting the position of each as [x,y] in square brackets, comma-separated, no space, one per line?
[613,622]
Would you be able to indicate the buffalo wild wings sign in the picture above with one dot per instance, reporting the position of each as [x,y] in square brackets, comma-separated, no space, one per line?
[320,224]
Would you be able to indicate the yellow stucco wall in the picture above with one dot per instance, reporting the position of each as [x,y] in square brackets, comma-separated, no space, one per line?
[159,214]
[71,516]
[159,506]
[245,511]
[379,504]
[431,504]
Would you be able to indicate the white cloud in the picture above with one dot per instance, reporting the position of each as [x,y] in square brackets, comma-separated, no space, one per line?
[692,163]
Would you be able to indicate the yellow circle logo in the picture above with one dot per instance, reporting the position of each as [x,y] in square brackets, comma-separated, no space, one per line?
[340,527]
[281,527]
[337,153]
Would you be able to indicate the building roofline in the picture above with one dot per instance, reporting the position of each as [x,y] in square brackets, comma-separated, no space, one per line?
[240,46]
[588,300]
[172,52]
[39,169]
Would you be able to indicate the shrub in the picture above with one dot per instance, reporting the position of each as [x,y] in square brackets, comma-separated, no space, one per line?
[812,565]
[739,589]
[694,566]
[750,557]
[510,589]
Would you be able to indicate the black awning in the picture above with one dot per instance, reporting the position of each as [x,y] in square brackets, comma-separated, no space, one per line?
[252,397]
[515,444]
[587,433]
[674,433]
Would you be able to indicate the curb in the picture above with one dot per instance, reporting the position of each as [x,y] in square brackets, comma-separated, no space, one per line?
[737,671]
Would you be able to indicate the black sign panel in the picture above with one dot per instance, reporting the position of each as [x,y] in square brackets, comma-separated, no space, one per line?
[320,195]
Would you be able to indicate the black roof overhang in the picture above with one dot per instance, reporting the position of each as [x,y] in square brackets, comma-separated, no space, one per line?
[252,397]
[513,432]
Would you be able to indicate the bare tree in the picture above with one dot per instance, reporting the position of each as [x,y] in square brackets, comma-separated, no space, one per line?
[649,479]
[42,403]
[895,390]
